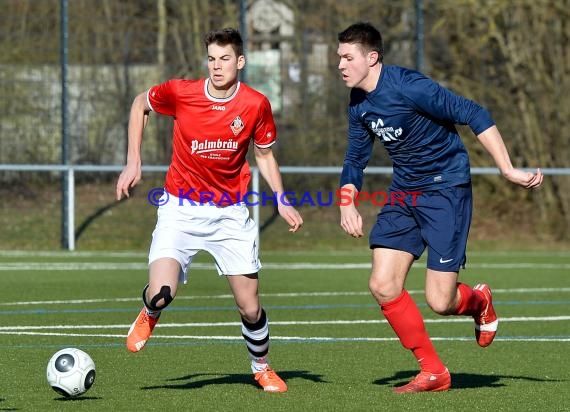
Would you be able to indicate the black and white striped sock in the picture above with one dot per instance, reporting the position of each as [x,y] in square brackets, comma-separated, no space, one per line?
[256,337]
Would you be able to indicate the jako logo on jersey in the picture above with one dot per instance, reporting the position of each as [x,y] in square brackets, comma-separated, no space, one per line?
[237,125]
[213,146]
[220,108]
[388,134]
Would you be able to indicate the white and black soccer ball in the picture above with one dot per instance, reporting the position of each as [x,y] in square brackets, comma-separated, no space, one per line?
[71,372]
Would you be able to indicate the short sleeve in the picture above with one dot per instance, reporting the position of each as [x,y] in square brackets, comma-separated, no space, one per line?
[265,133]
[161,98]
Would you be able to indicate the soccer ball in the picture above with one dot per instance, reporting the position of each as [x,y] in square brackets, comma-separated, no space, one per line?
[71,372]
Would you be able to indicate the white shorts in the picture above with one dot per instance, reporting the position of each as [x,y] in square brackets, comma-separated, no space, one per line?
[227,233]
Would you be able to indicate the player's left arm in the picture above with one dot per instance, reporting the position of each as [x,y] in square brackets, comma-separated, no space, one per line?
[428,96]
[269,169]
[492,141]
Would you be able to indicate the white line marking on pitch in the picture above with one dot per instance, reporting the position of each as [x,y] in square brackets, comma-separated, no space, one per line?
[359,252]
[293,338]
[268,295]
[83,266]
[276,323]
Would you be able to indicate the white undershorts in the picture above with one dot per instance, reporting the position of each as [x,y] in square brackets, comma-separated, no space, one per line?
[227,233]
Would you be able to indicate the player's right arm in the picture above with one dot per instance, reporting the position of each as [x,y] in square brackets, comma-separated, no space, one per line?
[350,218]
[357,155]
[138,119]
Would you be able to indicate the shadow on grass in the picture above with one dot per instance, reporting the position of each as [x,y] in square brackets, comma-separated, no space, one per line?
[199,380]
[7,409]
[78,398]
[462,380]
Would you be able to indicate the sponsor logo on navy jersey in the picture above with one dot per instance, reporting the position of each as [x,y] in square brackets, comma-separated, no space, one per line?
[386,133]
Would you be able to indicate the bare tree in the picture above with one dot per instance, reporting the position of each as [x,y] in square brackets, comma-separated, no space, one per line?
[512,57]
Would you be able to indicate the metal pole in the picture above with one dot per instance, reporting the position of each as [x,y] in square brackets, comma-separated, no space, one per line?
[243,32]
[419,35]
[64,127]
[71,209]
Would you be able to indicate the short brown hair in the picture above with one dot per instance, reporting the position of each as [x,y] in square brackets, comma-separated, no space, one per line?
[224,37]
[364,34]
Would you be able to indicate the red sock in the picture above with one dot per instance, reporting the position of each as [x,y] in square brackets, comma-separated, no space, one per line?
[469,303]
[405,318]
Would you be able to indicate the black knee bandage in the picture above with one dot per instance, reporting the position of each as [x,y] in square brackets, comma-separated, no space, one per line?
[163,294]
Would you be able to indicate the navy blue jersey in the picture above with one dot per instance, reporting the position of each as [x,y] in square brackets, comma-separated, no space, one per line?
[414,117]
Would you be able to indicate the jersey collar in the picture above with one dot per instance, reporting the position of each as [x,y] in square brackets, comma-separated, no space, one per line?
[218,99]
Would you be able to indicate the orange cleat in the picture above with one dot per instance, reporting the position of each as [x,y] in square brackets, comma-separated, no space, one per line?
[487,322]
[427,382]
[140,331]
[270,381]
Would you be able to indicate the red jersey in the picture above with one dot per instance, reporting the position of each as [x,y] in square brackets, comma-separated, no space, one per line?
[211,138]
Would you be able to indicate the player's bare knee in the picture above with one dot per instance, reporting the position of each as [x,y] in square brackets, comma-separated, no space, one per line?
[160,300]
[383,291]
[440,306]
[250,314]
[374,285]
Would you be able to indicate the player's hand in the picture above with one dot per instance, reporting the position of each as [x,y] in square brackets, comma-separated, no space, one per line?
[351,221]
[291,216]
[525,179]
[128,178]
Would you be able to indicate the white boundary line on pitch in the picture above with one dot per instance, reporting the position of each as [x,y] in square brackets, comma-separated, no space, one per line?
[266,295]
[81,266]
[296,338]
[279,323]
[359,252]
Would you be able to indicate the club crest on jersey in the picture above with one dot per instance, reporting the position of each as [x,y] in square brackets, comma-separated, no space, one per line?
[237,125]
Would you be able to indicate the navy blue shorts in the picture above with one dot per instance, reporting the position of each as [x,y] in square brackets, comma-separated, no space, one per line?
[436,219]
